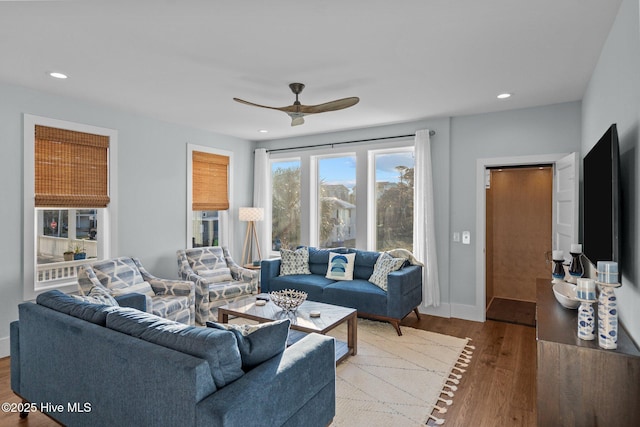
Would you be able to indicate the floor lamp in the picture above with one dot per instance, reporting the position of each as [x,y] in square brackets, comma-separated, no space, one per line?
[251,215]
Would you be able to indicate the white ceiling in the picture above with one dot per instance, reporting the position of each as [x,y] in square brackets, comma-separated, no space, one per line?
[184,61]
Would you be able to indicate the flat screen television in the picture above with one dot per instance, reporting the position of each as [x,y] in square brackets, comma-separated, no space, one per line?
[601,199]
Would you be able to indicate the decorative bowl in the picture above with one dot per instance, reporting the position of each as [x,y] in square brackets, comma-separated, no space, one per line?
[288,299]
[566,295]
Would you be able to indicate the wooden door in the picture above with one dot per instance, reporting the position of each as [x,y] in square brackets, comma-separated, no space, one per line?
[518,230]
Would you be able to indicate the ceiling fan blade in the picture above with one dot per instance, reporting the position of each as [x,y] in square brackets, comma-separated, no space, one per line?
[253,104]
[338,104]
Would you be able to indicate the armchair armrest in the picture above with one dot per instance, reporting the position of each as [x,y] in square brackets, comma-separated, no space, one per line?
[269,268]
[303,376]
[167,286]
[239,273]
[404,290]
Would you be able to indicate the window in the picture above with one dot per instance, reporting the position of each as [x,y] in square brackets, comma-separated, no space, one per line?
[285,204]
[208,199]
[355,196]
[394,199]
[336,200]
[69,174]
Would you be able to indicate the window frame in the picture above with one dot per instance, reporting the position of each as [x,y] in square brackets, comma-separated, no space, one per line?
[308,180]
[225,220]
[106,216]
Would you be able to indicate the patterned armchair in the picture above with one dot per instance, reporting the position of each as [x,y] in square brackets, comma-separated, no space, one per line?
[219,280]
[171,299]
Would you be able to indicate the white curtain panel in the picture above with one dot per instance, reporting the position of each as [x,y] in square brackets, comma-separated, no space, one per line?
[424,229]
[261,180]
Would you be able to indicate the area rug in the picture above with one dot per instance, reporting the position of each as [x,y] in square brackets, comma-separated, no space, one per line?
[406,380]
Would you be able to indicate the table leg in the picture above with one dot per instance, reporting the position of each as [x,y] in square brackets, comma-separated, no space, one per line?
[223,317]
[352,334]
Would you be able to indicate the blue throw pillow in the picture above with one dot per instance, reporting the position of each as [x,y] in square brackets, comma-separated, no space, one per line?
[258,343]
[217,347]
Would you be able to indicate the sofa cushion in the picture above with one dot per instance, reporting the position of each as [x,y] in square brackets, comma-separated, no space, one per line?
[319,258]
[257,343]
[340,266]
[312,284]
[67,304]
[385,265]
[294,262]
[360,294]
[219,348]
[365,261]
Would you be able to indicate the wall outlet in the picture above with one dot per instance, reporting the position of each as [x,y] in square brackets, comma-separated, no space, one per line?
[466,237]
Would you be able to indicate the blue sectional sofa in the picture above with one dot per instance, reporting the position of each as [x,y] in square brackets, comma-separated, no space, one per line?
[403,294]
[100,365]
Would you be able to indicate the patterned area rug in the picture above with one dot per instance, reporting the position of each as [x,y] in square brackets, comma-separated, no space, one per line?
[406,380]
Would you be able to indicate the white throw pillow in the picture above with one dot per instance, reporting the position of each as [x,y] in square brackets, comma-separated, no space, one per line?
[340,266]
[97,295]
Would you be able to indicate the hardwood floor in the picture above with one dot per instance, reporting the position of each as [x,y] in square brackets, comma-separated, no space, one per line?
[498,389]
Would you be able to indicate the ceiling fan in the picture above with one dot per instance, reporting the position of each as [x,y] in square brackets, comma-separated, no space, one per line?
[297,111]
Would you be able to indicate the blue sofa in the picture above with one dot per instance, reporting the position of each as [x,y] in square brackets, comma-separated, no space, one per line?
[110,365]
[403,295]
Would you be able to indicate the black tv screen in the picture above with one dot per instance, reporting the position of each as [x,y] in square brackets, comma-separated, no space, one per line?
[601,200]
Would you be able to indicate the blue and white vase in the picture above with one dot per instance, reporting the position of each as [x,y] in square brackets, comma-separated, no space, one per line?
[586,321]
[607,318]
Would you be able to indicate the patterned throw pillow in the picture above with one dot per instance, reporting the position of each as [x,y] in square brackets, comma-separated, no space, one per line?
[218,275]
[258,343]
[139,288]
[97,295]
[294,262]
[340,266]
[385,265]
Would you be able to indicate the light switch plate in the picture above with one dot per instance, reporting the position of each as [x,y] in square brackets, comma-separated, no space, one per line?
[456,236]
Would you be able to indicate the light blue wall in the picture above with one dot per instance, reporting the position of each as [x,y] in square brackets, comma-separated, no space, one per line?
[531,131]
[152,169]
[613,96]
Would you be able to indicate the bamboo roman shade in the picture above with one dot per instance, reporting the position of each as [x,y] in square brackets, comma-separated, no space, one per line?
[71,168]
[210,182]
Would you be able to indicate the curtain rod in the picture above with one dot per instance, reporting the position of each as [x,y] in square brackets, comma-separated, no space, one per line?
[331,144]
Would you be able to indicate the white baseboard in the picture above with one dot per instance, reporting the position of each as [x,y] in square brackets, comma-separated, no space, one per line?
[4,347]
[443,310]
[468,312]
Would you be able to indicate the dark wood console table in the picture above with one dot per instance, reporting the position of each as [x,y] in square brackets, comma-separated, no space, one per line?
[578,383]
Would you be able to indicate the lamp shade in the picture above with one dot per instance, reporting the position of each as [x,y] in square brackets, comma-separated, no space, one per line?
[251,214]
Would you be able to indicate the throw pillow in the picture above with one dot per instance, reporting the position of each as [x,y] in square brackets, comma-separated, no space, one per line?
[97,295]
[139,288]
[385,264]
[294,262]
[258,343]
[340,266]
[219,275]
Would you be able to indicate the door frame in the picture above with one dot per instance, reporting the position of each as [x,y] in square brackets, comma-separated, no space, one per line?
[481,214]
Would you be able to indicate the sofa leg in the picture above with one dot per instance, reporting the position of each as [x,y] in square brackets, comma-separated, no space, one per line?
[417,312]
[24,414]
[396,324]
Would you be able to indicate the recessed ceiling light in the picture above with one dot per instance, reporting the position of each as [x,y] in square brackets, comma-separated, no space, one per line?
[263,131]
[504,96]
[58,75]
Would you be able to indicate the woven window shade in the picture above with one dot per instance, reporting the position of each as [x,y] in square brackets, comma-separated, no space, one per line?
[210,182]
[71,169]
